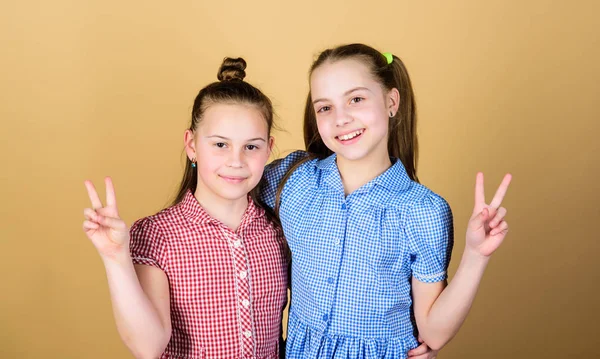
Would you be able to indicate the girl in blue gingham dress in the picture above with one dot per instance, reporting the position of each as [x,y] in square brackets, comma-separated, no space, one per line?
[370,245]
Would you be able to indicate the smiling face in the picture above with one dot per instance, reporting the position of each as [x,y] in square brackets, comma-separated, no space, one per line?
[231,145]
[352,110]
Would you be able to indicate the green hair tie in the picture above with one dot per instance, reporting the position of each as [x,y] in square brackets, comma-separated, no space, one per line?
[389,57]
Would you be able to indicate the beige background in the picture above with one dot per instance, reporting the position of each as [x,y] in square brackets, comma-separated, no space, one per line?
[92,88]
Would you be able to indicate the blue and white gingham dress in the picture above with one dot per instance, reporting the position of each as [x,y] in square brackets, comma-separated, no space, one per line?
[353,257]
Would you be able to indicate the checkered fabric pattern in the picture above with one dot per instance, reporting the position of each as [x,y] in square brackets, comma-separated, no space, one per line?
[353,257]
[228,289]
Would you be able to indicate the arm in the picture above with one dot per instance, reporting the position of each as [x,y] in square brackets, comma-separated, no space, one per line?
[273,174]
[139,294]
[440,310]
[140,301]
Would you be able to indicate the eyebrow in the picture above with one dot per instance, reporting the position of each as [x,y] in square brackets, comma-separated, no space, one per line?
[345,93]
[229,139]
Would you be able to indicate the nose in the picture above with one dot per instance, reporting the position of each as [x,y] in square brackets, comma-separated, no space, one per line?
[235,159]
[342,118]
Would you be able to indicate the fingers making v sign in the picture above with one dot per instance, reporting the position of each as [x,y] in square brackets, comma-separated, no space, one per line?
[487,227]
[102,225]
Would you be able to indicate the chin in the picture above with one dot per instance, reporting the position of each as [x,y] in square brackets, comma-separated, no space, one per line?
[352,155]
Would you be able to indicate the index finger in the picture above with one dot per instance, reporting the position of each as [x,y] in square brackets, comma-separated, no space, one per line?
[501,192]
[91,190]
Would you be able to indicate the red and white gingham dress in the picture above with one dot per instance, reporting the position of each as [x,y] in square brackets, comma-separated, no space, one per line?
[228,289]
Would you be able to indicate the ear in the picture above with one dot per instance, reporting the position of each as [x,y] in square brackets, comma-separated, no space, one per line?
[189,141]
[271,143]
[392,101]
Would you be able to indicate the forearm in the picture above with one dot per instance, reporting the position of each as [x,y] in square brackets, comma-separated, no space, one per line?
[450,309]
[138,321]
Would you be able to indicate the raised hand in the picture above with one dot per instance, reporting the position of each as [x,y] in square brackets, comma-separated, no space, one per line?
[103,226]
[487,227]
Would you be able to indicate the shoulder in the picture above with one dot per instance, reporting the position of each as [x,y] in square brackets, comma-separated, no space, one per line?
[315,169]
[417,202]
[299,167]
[427,214]
[282,165]
[425,198]
[158,224]
[427,203]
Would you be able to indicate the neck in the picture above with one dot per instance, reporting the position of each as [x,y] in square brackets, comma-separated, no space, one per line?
[228,212]
[357,173]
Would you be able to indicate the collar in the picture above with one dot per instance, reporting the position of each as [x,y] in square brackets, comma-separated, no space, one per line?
[195,213]
[394,179]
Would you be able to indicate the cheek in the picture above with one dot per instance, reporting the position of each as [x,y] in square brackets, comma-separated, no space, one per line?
[377,120]
[258,161]
[323,129]
[209,160]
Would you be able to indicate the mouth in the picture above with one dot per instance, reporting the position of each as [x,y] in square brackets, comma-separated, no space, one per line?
[233,179]
[350,137]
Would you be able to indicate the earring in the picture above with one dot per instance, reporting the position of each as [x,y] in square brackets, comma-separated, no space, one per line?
[193,162]
[391,114]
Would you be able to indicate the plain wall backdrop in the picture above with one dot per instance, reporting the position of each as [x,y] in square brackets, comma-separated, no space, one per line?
[95,88]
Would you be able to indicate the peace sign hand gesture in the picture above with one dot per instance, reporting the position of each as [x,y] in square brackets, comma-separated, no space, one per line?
[487,227]
[103,226]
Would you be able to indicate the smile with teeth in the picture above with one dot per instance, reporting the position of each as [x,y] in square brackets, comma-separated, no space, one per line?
[351,135]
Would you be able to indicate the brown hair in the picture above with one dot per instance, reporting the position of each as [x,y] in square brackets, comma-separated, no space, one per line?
[402,127]
[230,89]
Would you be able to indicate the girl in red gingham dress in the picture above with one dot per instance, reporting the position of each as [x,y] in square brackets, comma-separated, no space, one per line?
[206,277]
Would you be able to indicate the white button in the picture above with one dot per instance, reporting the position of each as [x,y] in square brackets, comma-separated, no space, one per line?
[337,241]
[246,303]
[243,274]
[248,333]
[237,244]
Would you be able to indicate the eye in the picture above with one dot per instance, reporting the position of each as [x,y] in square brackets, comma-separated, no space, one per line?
[220,144]
[356,99]
[323,109]
[251,147]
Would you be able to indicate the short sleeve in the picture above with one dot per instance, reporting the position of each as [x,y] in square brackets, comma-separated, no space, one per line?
[147,244]
[431,236]
[274,173]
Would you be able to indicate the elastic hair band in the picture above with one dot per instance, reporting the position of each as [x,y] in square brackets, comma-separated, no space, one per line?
[389,57]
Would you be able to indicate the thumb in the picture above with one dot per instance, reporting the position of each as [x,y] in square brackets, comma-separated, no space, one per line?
[116,224]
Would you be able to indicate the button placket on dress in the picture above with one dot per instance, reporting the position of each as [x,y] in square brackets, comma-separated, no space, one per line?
[244,293]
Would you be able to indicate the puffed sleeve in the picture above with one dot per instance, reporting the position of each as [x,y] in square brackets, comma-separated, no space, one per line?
[147,244]
[431,237]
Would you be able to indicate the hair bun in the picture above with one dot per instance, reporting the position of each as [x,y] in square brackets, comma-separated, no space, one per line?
[232,69]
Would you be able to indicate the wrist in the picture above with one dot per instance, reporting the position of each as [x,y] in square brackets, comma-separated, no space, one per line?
[474,257]
[120,258]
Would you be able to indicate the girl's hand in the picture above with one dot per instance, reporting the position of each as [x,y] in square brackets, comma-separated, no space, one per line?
[102,225]
[422,352]
[487,227]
